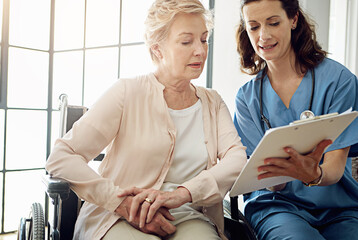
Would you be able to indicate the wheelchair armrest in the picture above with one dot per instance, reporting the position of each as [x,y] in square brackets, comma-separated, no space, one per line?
[56,187]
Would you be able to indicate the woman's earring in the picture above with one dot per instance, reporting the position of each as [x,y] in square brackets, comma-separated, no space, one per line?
[293,27]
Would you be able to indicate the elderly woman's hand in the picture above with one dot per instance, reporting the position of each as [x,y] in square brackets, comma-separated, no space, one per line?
[149,201]
[159,225]
[301,167]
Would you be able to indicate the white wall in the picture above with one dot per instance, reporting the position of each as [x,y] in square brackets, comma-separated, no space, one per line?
[336,28]
[352,40]
[319,12]
[227,77]
[344,36]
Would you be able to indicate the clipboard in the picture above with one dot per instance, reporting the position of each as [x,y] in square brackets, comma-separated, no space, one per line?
[302,135]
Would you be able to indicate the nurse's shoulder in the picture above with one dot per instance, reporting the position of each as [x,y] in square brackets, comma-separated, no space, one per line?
[330,70]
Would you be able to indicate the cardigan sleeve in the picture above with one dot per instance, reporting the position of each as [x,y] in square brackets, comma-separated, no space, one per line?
[88,137]
[211,185]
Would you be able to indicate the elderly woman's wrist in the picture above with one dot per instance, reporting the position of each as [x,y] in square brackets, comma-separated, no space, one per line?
[184,194]
[124,207]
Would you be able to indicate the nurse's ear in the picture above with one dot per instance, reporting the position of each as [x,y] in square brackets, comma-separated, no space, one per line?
[294,21]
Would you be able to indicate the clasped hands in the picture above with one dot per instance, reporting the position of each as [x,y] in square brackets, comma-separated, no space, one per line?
[302,167]
[148,209]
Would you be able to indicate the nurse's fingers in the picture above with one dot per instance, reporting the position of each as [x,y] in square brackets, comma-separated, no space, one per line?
[318,152]
[279,162]
[272,171]
[275,173]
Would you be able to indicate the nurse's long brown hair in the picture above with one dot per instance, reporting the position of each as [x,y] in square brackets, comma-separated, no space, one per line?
[303,40]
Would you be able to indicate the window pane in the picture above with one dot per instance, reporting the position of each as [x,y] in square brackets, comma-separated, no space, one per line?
[26,139]
[67,77]
[135,21]
[21,190]
[205,3]
[28,78]
[69,24]
[101,71]
[30,23]
[1,3]
[2,126]
[135,60]
[102,25]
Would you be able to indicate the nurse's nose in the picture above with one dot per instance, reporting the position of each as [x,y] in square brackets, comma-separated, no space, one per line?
[265,34]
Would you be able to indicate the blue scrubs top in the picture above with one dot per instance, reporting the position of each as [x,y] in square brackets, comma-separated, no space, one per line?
[336,90]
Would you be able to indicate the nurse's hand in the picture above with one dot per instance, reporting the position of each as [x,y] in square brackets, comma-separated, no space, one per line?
[302,167]
[148,201]
[278,187]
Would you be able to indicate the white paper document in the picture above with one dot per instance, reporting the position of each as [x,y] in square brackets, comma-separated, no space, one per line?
[302,135]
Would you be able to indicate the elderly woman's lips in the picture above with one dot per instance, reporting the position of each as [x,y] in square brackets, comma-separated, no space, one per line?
[195,65]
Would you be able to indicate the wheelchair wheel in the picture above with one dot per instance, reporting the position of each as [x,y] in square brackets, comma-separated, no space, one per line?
[21,233]
[33,228]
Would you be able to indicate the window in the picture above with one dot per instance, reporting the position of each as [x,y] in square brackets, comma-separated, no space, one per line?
[48,48]
[343,30]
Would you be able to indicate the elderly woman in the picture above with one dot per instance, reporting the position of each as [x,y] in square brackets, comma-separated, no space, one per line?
[163,136]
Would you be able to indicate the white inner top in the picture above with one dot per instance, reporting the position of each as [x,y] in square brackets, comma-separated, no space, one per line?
[190,157]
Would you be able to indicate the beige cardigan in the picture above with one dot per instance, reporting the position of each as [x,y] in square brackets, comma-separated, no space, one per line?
[132,119]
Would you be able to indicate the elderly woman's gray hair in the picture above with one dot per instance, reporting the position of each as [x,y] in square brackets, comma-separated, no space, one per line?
[161,15]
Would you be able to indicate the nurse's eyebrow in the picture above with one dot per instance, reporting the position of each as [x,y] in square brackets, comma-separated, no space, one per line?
[269,18]
[274,16]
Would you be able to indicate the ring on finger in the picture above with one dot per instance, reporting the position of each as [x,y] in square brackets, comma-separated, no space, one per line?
[148,200]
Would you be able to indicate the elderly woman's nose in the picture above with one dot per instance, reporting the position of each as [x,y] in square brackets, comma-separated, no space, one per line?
[199,48]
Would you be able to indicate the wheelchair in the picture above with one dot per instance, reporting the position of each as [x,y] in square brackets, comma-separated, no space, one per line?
[66,204]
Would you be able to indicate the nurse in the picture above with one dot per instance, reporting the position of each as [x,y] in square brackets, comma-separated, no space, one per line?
[277,43]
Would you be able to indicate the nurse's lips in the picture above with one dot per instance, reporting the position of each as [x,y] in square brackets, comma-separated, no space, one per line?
[195,64]
[268,47]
